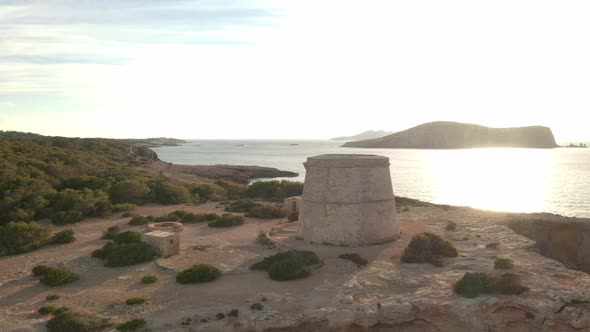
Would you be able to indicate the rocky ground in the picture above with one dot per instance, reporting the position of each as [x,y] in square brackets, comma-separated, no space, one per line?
[339,296]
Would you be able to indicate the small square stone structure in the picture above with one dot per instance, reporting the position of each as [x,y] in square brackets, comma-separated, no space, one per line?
[291,204]
[166,243]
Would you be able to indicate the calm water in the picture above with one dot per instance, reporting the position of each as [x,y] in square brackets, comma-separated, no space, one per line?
[518,180]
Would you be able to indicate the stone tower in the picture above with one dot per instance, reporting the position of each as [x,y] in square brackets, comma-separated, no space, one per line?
[348,200]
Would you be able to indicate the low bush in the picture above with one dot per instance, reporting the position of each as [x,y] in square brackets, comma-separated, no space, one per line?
[148,279]
[493,245]
[428,248]
[262,239]
[69,321]
[52,297]
[227,220]
[51,276]
[503,264]
[128,214]
[135,301]
[67,217]
[127,237]
[355,258]
[40,270]
[474,284]
[60,310]
[132,325]
[233,313]
[21,237]
[191,218]
[241,206]
[110,233]
[46,310]
[63,237]
[451,226]
[125,254]
[266,212]
[123,207]
[141,220]
[198,273]
[274,190]
[288,265]
[256,306]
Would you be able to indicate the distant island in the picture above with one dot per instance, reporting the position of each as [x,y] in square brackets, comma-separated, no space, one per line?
[454,135]
[581,145]
[154,142]
[369,134]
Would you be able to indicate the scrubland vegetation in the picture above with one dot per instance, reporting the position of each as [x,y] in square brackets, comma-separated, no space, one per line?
[288,265]
[198,273]
[428,248]
[474,284]
[126,249]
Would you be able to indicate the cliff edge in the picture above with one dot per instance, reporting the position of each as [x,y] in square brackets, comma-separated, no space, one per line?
[454,135]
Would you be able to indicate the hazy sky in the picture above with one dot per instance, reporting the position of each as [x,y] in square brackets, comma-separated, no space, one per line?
[291,69]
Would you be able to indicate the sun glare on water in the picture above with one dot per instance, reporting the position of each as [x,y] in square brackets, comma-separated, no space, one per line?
[488,178]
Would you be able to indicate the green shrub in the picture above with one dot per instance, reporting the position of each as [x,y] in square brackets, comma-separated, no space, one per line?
[54,276]
[241,206]
[148,279]
[288,270]
[128,254]
[40,270]
[492,245]
[428,248]
[128,214]
[141,220]
[256,306]
[63,237]
[52,297]
[69,321]
[110,233]
[232,190]
[473,284]
[503,264]
[233,313]
[288,265]
[21,237]
[132,325]
[275,190]
[67,217]
[129,191]
[262,239]
[135,301]
[127,237]
[124,207]
[60,310]
[355,258]
[198,273]
[191,218]
[227,220]
[208,192]
[46,310]
[167,193]
[451,226]
[266,212]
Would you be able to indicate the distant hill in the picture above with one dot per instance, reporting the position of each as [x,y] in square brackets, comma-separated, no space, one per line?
[454,135]
[369,134]
[154,142]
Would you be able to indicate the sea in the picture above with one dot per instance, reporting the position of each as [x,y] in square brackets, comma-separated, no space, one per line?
[510,180]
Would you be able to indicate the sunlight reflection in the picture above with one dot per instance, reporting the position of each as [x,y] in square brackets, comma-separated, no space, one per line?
[484,178]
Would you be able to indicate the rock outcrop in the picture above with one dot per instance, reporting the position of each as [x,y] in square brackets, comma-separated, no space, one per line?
[454,135]
[566,241]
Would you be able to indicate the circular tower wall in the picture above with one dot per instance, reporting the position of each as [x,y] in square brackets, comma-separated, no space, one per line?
[348,200]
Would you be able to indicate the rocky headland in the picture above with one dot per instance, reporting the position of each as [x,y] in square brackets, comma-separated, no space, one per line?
[454,135]
[384,295]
